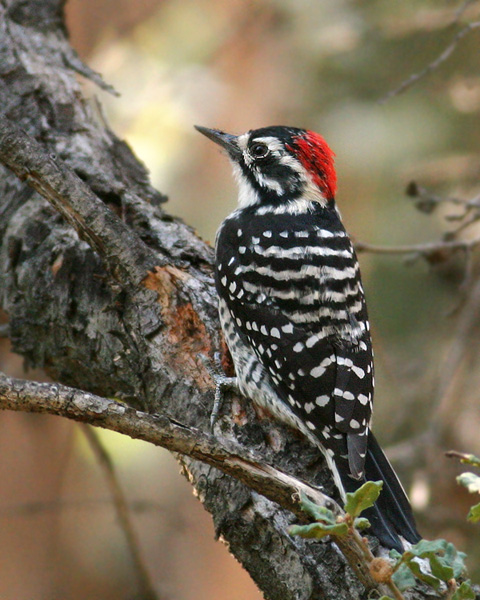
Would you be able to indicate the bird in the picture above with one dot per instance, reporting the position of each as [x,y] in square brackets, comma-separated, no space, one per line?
[293,312]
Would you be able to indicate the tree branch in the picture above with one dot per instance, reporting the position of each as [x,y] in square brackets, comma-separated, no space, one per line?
[278,486]
[426,202]
[160,430]
[427,249]
[126,256]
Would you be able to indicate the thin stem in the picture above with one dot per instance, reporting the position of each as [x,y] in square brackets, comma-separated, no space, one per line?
[468,459]
[422,249]
[395,591]
[451,589]
[413,79]
[123,512]
[461,9]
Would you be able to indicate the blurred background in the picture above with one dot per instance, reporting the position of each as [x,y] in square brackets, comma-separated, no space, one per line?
[321,64]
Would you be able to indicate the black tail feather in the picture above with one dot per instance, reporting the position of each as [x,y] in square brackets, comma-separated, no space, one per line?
[391,516]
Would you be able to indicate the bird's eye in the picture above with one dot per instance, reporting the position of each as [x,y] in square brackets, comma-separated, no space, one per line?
[259,150]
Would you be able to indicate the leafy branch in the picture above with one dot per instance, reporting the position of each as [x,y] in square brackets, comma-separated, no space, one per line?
[347,525]
[442,564]
[437,563]
[469,480]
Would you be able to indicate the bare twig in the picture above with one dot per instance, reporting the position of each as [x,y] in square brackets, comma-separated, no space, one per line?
[449,401]
[468,459]
[276,485]
[36,507]
[123,513]
[428,249]
[74,62]
[428,201]
[448,397]
[127,256]
[414,78]
[461,10]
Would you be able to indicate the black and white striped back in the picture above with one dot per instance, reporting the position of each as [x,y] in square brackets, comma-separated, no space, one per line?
[293,310]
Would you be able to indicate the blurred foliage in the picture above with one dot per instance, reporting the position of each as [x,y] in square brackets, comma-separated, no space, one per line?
[471,481]
[442,563]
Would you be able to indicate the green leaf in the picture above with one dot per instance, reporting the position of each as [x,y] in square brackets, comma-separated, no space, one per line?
[470,459]
[395,555]
[456,560]
[443,557]
[361,523]
[363,498]
[426,548]
[385,598]
[318,530]
[470,481]
[433,582]
[440,568]
[319,513]
[403,578]
[464,592]
[474,514]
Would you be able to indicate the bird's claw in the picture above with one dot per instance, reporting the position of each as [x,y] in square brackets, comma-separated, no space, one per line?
[222,383]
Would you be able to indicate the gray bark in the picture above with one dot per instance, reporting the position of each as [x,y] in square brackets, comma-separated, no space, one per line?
[110,294]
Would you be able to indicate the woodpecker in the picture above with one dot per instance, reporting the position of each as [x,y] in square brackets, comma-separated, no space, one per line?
[293,312]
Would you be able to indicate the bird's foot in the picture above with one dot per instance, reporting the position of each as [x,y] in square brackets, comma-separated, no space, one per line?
[222,383]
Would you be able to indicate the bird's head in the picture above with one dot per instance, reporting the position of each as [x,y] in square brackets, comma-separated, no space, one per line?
[278,165]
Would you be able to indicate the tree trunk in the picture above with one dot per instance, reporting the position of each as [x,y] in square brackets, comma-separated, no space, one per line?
[120,302]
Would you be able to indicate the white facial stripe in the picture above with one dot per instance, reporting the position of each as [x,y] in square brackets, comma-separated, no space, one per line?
[290,161]
[273,143]
[247,196]
[277,148]
[269,183]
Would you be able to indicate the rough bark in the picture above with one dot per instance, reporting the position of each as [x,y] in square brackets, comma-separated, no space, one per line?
[110,294]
